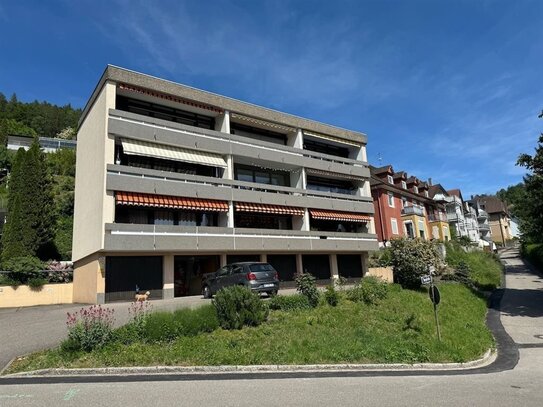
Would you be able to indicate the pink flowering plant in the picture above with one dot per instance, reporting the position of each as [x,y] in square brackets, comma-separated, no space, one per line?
[139,312]
[90,328]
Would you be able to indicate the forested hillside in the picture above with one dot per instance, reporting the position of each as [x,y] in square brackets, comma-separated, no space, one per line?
[36,118]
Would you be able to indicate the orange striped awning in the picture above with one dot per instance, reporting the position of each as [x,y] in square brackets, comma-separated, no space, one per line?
[173,202]
[260,208]
[341,216]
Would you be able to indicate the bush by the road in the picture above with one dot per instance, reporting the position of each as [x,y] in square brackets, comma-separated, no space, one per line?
[238,306]
[534,253]
[411,258]
[370,291]
[305,285]
[289,302]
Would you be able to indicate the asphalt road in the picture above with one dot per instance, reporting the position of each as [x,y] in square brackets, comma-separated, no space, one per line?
[522,318]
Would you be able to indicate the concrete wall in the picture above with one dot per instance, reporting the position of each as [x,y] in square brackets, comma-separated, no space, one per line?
[94,151]
[89,284]
[25,296]
[384,273]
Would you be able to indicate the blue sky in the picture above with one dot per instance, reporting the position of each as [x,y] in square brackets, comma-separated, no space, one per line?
[444,89]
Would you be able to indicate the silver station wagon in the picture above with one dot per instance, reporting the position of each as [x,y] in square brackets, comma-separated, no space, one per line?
[259,277]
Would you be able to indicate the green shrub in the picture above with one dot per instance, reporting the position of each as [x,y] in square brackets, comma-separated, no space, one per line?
[331,296]
[160,327]
[22,269]
[477,268]
[411,258]
[6,280]
[90,328]
[36,282]
[238,306]
[381,258]
[369,290]
[193,322]
[305,285]
[289,302]
[534,253]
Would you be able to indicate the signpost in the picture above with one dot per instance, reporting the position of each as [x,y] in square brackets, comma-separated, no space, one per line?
[434,293]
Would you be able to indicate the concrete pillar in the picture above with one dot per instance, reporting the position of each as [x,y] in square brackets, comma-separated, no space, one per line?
[222,122]
[168,276]
[296,140]
[360,154]
[264,258]
[364,258]
[230,220]
[224,260]
[299,265]
[334,272]
[228,172]
[305,221]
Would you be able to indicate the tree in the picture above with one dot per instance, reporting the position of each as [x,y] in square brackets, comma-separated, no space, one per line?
[29,227]
[531,209]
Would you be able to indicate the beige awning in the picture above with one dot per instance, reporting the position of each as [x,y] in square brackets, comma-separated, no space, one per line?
[143,148]
[262,123]
[332,138]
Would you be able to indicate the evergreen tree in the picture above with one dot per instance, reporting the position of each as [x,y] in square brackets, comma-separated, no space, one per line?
[29,227]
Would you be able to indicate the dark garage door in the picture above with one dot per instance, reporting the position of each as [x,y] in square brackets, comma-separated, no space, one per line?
[285,265]
[349,265]
[123,274]
[318,265]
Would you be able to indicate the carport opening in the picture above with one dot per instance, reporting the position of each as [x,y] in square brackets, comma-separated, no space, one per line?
[318,265]
[349,266]
[126,273]
[285,265]
[188,272]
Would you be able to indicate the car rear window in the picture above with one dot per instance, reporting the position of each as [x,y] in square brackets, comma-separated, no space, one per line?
[260,267]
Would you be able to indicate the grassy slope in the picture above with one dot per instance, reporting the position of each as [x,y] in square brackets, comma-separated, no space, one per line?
[485,269]
[400,329]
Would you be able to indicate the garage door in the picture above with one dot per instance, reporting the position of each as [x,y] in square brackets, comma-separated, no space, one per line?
[123,274]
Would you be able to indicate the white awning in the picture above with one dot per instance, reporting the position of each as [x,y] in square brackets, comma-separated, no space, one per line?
[332,138]
[143,148]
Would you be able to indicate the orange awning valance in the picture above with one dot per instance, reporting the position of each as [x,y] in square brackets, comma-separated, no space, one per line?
[340,216]
[173,202]
[260,208]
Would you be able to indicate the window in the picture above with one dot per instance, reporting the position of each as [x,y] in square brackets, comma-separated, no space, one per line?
[257,133]
[404,185]
[261,176]
[164,218]
[394,224]
[390,179]
[404,201]
[391,199]
[416,189]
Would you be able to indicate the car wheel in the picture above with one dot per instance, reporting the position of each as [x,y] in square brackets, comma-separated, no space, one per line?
[272,293]
[206,292]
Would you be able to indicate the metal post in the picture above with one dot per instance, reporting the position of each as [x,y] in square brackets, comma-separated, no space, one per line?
[435,310]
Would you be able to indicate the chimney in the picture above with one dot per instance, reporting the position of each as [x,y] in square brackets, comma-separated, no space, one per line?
[430,181]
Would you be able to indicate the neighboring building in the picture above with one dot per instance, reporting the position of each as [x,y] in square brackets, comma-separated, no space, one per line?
[173,182]
[48,145]
[472,224]
[403,207]
[499,218]
[455,212]
[485,233]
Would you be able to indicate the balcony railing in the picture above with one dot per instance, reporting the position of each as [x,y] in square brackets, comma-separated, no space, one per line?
[484,227]
[437,217]
[412,210]
[122,116]
[482,214]
[222,183]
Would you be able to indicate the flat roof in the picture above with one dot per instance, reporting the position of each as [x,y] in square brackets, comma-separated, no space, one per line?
[121,75]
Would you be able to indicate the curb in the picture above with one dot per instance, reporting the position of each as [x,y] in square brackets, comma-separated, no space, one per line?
[488,358]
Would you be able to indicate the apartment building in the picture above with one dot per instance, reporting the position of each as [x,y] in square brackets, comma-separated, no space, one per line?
[403,207]
[173,182]
[499,219]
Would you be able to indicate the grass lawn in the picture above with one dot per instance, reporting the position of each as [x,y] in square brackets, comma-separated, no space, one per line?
[485,270]
[399,329]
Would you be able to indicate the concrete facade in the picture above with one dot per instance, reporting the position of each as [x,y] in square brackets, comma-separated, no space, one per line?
[100,175]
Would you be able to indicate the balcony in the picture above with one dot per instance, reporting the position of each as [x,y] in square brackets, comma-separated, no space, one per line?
[437,217]
[412,210]
[132,179]
[484,227]
[191,239]
[481,215]
[144,128]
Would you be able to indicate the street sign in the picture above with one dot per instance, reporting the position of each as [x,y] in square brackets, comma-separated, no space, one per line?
[435,296]
[425,279]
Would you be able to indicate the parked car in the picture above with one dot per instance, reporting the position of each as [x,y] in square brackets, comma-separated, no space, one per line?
[259,277]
